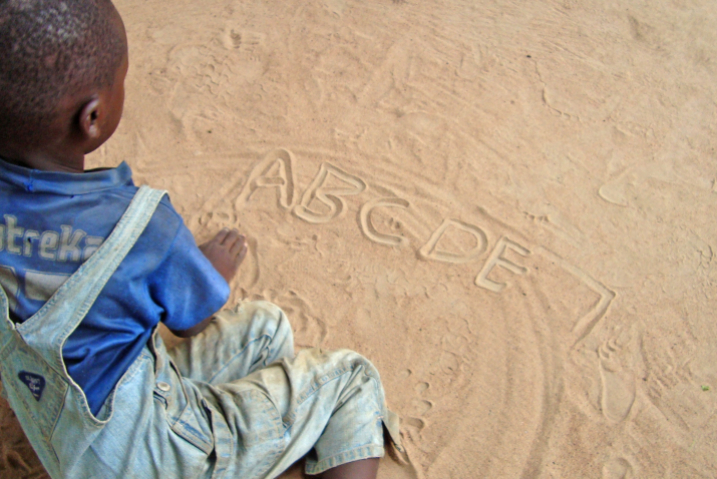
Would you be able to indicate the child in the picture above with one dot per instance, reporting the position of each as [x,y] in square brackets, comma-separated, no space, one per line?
[89,265]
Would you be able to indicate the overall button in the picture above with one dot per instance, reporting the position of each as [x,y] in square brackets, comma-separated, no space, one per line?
[163,386]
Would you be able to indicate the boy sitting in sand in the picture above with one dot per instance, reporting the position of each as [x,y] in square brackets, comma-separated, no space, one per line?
[90,264]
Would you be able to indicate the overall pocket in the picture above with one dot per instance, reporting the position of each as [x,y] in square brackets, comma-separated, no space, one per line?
[183,407]
[36,393]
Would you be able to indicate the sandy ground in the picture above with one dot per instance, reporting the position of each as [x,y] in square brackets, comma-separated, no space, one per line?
[505,205]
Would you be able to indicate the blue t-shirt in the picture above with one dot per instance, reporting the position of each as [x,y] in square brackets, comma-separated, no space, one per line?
[51,222]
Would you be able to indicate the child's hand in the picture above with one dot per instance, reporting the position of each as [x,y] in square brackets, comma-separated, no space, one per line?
[226,251]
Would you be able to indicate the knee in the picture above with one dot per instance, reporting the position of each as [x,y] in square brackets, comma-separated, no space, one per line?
[348,360]
[362,380]
[267,319]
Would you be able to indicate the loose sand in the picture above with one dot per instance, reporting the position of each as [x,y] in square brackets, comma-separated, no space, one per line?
[507,206]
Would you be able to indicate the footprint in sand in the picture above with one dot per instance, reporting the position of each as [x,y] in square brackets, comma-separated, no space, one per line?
[617,468]
[618,383]
[402,464]
[420,407]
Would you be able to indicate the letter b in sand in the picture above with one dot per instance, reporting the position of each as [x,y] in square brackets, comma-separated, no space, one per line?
[331,197]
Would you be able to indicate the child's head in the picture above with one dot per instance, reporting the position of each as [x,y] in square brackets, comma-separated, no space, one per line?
[62,69]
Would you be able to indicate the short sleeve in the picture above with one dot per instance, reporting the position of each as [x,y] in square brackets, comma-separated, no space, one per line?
[186,285]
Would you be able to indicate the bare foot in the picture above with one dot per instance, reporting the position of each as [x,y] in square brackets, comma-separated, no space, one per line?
[226,251]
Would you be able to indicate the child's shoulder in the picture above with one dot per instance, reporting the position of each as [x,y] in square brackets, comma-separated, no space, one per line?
[63,218]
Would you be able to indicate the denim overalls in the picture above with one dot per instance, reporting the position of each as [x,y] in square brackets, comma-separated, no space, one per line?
[232,402]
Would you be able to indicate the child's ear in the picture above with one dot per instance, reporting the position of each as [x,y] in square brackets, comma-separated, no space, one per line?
[90,119]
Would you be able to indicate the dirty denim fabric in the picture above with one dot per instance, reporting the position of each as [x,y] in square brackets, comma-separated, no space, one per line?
[236,403]
[277,407]
[130,432]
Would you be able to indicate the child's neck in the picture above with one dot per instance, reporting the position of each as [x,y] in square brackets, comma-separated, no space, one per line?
[44,162]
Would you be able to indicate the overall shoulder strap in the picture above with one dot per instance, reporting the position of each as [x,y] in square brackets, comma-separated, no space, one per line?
[48,329]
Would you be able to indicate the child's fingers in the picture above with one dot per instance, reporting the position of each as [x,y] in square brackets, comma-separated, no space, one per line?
[241,255]
[222,235]
[238,245]
[231,238]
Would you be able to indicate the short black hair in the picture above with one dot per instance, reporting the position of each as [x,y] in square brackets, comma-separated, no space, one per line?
[50,49]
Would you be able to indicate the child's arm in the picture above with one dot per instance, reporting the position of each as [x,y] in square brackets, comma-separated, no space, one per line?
[225,251]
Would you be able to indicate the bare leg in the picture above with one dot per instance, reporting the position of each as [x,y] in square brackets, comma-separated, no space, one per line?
[363,469]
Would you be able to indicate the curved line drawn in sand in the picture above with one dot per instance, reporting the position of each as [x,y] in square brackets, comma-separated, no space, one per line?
[331,197]
[309,329]
[496,259]
[618,384]
[217,218]
[617,468]
[276,170]
[370,231]
[613,193]
[585,325]
[254,266]
[429,251]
